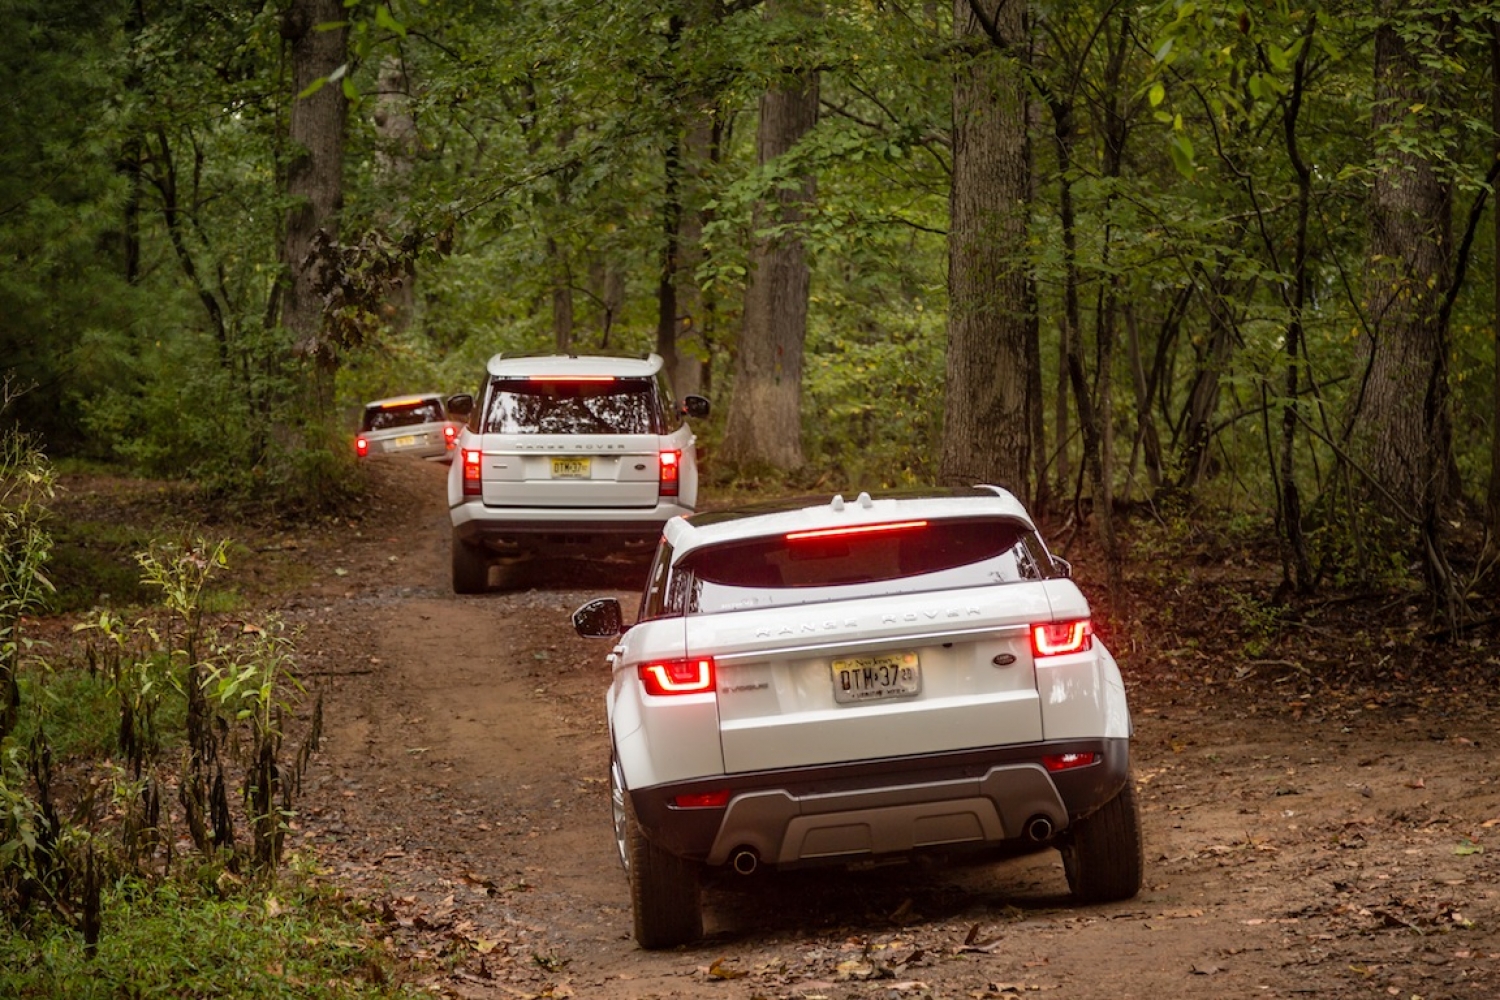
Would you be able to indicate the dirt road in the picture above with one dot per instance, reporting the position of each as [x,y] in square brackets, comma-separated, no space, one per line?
[1292,851]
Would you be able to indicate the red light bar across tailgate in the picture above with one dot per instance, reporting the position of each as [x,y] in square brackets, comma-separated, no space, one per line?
[861,529]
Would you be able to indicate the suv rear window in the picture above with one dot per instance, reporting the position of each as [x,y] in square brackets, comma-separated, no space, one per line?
[379,418]
[807,568]
[573,406]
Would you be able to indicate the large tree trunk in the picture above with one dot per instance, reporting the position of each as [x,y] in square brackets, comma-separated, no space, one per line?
[1401,432]
[986,436]
[1400,418]
[764,426]
[314,184]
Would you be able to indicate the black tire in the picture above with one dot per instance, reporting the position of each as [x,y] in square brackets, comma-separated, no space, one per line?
[663,891]
[1102,855]
[471,570]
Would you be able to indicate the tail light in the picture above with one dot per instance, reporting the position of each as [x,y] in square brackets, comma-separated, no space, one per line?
[669,465]
[450,436]
[1067,761]
[473,484]
[702,800]
[1057,638]
[666,677]
[361,446]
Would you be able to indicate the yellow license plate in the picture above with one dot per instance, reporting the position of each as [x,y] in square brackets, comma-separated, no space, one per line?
[872,678]
[405,442]
[570,468]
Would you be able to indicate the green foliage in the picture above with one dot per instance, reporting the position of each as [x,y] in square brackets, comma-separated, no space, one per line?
[216,938]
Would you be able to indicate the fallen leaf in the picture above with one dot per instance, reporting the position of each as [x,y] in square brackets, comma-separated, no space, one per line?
[718,971]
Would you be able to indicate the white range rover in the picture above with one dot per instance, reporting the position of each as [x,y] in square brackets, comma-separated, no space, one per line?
[567,454]
[825,682]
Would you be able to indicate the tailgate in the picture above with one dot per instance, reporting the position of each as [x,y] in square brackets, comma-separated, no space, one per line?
[571,471]
[820,684]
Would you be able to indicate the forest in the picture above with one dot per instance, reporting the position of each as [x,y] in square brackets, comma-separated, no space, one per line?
[1233,262]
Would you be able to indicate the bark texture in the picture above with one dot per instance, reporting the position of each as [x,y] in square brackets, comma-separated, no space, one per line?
[1401,430]
[985,430]
[314,182]
[764,426]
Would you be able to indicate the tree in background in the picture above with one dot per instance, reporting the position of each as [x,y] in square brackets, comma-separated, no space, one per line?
[765,412]
[987,431]
[318,37]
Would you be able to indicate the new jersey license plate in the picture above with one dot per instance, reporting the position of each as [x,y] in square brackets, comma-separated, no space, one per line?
[872,678]
[570,468]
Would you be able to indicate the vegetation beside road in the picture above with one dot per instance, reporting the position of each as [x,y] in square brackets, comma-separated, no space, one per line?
[150,760]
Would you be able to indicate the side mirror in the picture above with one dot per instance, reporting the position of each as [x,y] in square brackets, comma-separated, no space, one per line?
[1063,566]
[460,405]
[599,619]
[695,406]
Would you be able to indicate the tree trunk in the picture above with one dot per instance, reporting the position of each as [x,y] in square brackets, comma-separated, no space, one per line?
[986,434]
[764,426]
[1400,413]
[1493,500]
[396,127]
[314,184]
[695,319]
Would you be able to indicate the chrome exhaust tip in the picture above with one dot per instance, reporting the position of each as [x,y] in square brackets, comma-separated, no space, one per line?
[1038,829]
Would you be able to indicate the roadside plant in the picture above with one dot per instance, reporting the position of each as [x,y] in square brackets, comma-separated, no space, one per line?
[27,483]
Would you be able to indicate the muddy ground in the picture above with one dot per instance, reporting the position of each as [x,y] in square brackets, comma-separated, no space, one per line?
[1304,838]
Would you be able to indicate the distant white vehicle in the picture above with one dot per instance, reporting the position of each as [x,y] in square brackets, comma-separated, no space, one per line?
[415,425]
[568,454]
[824,682]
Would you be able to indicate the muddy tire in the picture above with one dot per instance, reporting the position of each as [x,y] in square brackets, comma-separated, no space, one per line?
[1102,855]
[663,890]
[471,571]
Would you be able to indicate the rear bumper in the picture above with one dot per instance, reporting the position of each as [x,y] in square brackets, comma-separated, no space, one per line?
[981,798]
[502,530]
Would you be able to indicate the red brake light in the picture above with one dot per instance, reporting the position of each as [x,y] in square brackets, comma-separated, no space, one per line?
[665,677]
[670,466]
[570,378]
[702,800]
[1068,761]
[361,446]
[862,529]
[473,483]
[1056,638]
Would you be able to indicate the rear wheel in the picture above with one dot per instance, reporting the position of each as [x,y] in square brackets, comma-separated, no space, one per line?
[1102,856]
[471,570]
[663,889]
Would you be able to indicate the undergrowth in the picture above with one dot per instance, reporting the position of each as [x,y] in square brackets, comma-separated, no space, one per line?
[148,777]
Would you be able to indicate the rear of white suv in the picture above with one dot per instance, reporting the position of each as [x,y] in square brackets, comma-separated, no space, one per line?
[813,684]
[567,454]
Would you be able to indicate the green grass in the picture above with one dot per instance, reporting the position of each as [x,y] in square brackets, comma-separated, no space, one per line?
[78,711]
[178,939]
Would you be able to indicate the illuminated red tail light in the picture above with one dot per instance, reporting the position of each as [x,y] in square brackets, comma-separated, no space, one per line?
[473,483]
[450,436]
[1068,761]
[1057,638]
[361,446]
[665,677]
[670,466]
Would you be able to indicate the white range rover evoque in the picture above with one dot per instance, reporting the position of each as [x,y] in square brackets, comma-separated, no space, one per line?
[824,682]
